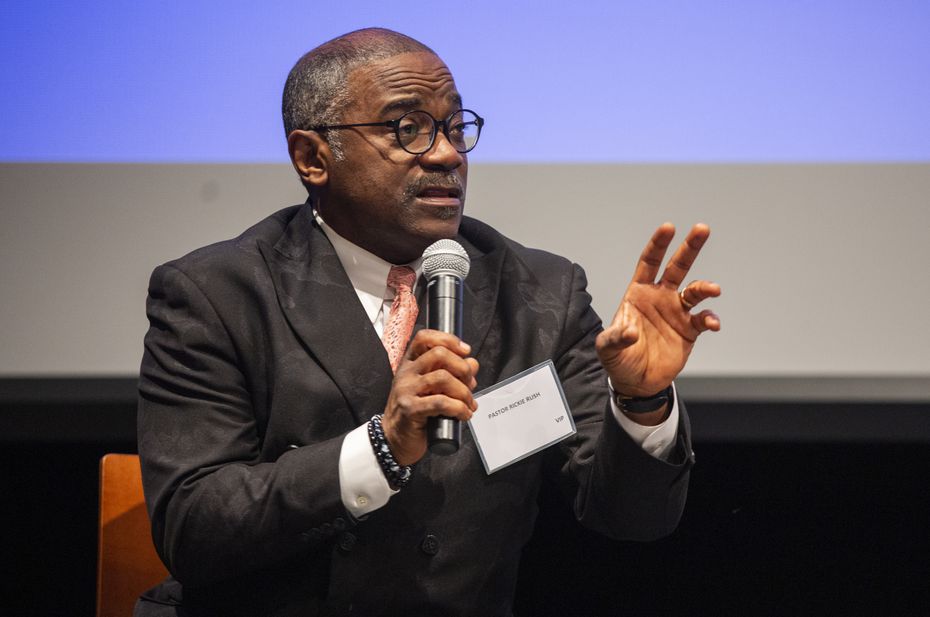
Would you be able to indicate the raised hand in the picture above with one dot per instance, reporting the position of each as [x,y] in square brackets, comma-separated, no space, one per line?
[652,334]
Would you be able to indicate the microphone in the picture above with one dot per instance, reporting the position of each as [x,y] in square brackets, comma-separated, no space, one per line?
[445,266]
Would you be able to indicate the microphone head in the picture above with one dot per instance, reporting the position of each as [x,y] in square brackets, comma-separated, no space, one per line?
[445,257]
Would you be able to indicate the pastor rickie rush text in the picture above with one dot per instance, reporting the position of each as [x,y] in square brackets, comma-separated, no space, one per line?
[514,405]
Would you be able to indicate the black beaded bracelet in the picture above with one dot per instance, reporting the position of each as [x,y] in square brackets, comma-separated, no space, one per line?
[397,476]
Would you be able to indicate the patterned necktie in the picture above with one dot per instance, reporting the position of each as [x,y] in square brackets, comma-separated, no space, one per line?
[403,313]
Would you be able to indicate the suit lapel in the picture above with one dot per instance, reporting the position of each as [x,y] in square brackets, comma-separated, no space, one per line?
[318,301]
[481,287]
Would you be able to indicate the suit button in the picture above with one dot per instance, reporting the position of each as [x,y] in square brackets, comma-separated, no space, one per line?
[430,544]
[313,535]
[327,529]
[347,541]
[339,524]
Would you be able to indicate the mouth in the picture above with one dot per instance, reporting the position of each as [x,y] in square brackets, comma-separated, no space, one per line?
[441,196]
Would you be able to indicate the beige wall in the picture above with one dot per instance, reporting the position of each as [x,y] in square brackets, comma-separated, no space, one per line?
[824,267]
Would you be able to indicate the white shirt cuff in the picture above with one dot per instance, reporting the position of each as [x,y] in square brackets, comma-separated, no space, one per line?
[657,440]
[362,484]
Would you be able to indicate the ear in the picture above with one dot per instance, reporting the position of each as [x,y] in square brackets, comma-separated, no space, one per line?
[311,157]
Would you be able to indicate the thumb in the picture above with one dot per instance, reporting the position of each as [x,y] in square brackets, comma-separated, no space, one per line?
[617,337]
[623,331]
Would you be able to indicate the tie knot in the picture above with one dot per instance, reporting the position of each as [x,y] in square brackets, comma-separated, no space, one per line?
[401,278]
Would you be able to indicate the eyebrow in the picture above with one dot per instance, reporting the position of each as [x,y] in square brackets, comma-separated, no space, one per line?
[412,102]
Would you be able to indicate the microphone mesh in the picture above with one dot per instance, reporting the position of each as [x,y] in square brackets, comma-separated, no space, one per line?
[445,257]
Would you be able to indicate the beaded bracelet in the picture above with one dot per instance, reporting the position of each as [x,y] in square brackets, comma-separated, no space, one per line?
[397,476]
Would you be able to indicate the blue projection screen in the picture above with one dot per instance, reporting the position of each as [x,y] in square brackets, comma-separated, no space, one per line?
[713,81]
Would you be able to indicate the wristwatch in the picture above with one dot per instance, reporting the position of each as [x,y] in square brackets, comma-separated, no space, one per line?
[641,404]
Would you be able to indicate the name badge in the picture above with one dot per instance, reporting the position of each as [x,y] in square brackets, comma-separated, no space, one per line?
[520,416]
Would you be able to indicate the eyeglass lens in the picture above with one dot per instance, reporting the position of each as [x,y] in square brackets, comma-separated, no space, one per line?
[415,131]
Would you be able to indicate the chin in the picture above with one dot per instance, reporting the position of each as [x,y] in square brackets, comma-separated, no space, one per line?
[443,225]
[448,213]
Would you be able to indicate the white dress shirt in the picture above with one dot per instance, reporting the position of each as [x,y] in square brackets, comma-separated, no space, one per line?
[362,484]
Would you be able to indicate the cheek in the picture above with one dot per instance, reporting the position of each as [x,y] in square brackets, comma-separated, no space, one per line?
[383,176]
[364,184]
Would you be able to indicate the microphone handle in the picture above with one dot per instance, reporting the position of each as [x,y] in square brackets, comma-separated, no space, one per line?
[444,313]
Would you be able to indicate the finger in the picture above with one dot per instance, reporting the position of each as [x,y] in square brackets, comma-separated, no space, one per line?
[705,320]
[622,333]
[651,258]
[441,405]
[474,366]
[696,292]
[678,266]
[440,358]
[443,382]
[616,338]
[424,340]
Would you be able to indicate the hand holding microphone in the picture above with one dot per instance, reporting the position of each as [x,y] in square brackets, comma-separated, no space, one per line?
[432,390]
[445,266]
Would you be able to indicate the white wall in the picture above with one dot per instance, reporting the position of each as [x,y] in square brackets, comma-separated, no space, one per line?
[823,266]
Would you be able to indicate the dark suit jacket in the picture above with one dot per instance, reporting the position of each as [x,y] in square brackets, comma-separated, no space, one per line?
[258,361]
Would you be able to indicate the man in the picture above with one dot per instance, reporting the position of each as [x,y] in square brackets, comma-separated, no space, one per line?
[266,390]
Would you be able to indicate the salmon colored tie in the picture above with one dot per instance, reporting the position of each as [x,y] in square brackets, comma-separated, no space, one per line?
[403,313]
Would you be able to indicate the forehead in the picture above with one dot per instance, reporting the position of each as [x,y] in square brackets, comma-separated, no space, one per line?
[403,82]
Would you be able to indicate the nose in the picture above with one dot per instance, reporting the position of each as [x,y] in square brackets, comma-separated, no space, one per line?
[442,155]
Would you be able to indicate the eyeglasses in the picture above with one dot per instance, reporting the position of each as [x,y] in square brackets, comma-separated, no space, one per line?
[416,130]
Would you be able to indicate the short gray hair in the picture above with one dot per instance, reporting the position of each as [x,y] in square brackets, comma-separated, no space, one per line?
[316,92]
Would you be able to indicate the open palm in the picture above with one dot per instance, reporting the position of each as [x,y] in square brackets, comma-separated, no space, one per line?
[651,336]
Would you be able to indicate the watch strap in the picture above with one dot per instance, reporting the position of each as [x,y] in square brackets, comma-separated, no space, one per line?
[641,404]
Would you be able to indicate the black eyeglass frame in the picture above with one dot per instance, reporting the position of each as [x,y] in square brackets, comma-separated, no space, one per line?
[395,124]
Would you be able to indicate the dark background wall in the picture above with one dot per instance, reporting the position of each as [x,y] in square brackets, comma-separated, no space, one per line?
[816,507]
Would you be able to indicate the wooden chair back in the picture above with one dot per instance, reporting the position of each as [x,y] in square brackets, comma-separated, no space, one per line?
[127,563]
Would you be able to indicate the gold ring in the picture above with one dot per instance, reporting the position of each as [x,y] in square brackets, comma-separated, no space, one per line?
[681,295]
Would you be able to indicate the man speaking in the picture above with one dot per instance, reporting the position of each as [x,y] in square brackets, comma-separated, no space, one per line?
[288,379]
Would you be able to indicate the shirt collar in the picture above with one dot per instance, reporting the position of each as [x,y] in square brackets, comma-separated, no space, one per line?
[367,272]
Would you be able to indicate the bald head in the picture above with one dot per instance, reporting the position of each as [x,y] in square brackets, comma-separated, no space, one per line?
[316,92]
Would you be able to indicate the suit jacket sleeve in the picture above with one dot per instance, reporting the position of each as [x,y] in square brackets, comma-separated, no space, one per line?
[217,509]
[617,488]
